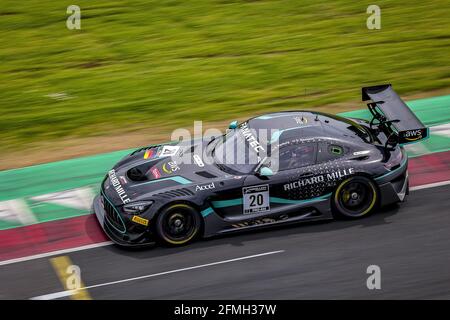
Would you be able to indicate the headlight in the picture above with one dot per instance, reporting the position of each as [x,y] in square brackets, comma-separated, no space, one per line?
[137,207]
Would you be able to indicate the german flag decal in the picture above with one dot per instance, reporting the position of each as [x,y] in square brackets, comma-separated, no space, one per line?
[149,153]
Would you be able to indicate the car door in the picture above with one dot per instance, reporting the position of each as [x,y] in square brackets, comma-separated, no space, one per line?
[297,171]
[227,200]
[265,196]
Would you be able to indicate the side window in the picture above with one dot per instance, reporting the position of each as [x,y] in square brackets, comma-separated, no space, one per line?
[330,151]
[297,155]
[335,150]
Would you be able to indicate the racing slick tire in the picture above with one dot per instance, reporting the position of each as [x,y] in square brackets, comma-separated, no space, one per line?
[354,198]
[178,224]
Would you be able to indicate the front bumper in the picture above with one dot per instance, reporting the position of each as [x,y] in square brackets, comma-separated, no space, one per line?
[126,237]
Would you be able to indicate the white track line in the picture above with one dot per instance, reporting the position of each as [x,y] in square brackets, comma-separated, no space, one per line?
[107,243]
[53,253]
[430,185]
[67,293]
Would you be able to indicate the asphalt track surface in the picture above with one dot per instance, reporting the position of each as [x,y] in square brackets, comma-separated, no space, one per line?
[409,242]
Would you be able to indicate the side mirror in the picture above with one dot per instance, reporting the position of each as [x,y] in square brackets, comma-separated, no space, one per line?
[233,125]
[265,172]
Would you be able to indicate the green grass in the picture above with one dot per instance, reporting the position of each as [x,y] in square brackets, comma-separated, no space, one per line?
[142,63]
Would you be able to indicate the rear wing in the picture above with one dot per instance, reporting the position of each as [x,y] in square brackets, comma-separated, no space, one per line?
[393,116]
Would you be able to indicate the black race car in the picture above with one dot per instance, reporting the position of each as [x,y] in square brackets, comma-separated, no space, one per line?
[273,169]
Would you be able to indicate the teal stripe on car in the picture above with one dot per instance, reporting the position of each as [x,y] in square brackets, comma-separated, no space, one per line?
[226,203]
[239,201]
[117,213]
[207,212]
[177,179]
[288,201]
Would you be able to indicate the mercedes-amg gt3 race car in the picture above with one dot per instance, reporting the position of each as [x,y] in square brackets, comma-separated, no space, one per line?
[307,166]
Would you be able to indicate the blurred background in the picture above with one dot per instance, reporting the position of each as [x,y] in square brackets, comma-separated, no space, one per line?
[136,70]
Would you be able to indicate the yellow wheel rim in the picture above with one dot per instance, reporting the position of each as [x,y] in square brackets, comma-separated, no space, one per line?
[346,195]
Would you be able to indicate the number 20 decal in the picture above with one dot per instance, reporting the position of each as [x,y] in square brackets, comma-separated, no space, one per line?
[256,199]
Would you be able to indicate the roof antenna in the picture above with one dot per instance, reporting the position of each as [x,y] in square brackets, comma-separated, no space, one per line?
[317,117]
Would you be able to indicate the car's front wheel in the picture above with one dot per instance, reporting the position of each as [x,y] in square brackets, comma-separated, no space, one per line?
[354,198]
[178,224]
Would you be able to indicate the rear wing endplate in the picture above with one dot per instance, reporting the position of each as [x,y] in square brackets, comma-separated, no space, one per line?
[393,115]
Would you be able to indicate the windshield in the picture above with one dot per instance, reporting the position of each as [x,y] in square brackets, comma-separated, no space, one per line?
[238,151]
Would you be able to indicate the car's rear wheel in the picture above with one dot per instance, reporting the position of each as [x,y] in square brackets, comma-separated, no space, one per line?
[354,198]
[178,224]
